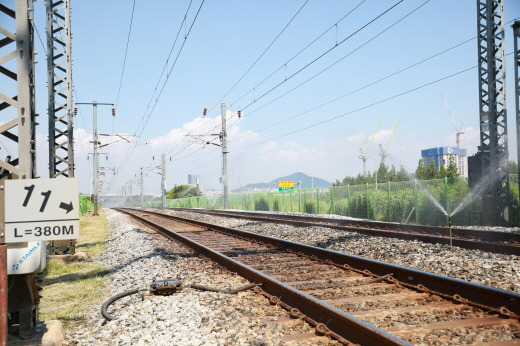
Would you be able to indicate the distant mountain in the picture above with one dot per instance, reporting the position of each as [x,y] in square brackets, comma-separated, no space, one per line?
[307,182]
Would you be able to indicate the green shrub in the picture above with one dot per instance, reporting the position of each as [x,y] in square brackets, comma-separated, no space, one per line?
[310,207]
[276,205]
[261,204]
[341,207]
[85,205]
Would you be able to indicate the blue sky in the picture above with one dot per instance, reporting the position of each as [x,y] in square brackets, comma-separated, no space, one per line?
[225,40]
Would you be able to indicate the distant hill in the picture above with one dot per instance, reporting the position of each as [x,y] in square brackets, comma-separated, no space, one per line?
[307,182]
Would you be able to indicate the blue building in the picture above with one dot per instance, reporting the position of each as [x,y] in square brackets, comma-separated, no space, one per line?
[441,156]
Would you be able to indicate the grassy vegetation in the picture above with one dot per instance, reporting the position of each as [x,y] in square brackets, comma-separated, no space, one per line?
[68,289]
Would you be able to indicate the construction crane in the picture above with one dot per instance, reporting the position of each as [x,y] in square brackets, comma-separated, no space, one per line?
[458,130]
[363,156]
[382,152]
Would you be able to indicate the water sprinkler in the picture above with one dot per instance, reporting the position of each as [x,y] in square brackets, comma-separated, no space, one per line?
[449,230]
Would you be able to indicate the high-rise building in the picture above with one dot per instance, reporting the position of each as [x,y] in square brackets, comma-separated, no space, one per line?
[192,179]
[441,156]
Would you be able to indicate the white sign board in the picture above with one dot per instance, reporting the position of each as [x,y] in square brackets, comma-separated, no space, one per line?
[41,209]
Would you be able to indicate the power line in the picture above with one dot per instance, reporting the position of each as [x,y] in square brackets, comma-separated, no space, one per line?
[356,90]
[344,57]
[263,53]
[363,87]
[335,25]
[365,107]
[165,66]
[164,84]
[329,50]
[355,110]
[126,53]
[325,53]
[254,63]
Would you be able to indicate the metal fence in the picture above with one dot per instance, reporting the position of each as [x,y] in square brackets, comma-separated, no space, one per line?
[421,202]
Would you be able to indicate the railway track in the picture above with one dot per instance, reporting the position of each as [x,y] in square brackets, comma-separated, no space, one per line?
[352,299]
[490,241]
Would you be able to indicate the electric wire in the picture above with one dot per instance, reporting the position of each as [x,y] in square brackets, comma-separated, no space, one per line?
[126,53]
[163,86]
[357,109]
[165,66]
[263,53]
[363,87]
[301,51]
[344,57]
[373,104]
[122,71]
[325,53]
[254,63]
[332,48]
[355,90]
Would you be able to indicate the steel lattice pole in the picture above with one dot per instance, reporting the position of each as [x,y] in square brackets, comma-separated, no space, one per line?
[59,69]
[492,106]
[18,157]
[516,38]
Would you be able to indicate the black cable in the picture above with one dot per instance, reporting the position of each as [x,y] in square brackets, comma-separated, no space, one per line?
[104,308]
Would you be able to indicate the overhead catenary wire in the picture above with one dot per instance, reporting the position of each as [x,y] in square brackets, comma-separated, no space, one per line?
[325,53]
[336,45]
[307,111]
[301,51]
[126,54]
[263,53]
[122,70]
[355,90]
[254,63]
[360,88]
[163,86]
[354,110]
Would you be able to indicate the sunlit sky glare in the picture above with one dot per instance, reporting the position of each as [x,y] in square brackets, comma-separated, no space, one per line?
[309,112]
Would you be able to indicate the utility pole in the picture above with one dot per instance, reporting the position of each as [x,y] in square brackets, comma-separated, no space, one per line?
[492,155]
[95,158]
[18,129]
[163,179]
[198,192]
[223,139]
[516,38]
[59,80]
[142,185]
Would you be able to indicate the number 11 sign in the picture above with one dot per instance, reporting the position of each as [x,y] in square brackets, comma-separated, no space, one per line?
[41,209]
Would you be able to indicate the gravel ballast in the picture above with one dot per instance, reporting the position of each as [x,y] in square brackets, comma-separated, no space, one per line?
[490,269]
[134,257]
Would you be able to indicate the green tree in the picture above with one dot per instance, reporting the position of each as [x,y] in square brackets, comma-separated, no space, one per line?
[181,191]
[452,171]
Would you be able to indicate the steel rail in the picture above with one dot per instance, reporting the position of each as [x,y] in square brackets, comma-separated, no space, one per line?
[490,241]
[338,322]
[490,298]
